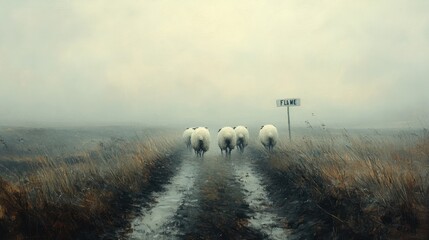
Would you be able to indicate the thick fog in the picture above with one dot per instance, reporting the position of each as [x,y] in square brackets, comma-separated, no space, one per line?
[352,63]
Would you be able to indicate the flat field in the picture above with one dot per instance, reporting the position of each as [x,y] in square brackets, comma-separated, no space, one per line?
[142,183]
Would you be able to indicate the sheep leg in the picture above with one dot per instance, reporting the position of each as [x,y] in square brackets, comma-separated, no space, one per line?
[241,147]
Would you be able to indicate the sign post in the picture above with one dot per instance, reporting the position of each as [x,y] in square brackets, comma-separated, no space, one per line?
[288,102]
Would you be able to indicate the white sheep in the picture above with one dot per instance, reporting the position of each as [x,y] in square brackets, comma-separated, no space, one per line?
[242,137]
[200,140]
[226,139]
[187,137]
[268,136]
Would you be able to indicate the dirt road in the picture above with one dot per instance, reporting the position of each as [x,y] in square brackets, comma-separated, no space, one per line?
[215,197]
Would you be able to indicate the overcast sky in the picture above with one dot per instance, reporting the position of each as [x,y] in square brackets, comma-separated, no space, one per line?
[353,63]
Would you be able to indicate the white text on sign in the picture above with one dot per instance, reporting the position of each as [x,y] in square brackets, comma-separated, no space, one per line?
[288,102]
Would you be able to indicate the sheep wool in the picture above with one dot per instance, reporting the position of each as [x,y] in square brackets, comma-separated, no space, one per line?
[227,140]
[200,140]
[268,136]
[242,137]
[187,137]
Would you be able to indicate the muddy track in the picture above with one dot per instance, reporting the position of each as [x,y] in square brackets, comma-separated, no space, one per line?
[130,206]
[265,218]
[304,218]
[221,212]
[210,198]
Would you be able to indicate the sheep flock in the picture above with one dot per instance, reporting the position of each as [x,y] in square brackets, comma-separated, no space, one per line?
[229,138]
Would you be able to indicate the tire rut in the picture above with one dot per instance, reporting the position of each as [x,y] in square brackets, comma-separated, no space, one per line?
[264,217]
[155,220]
[212,198]
[221,212]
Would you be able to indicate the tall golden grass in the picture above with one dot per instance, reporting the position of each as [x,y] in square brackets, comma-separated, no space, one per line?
[363,186]
[62,199]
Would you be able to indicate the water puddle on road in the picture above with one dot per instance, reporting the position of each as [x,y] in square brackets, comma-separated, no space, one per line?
[255,195]
[154,220]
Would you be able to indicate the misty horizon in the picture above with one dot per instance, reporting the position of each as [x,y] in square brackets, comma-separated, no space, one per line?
[225,63]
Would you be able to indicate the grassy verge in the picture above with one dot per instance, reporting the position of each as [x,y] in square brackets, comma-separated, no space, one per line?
[346,187]
[83,195]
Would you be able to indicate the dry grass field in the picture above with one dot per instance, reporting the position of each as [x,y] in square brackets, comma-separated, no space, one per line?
[333,184]
[353,186]
[80,194]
